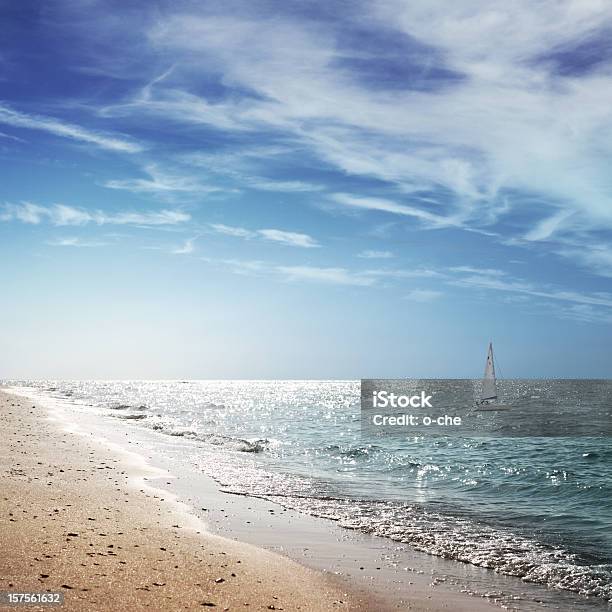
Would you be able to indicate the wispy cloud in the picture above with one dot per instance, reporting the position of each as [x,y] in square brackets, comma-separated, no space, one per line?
[178,105]
[187,248]
[474,270]
[400,273]
[230,230]
[14,118]
[423,295]
[62,215]
[560,303]
[371,254]
[284,186]
[246,165]
[503,283]
[295,239]
[545,228]
[77,242]
[461,119]
[585,307]
[289,238]
[594,256]
[334,276]
[26,212]
[161,182]
[241,266]
[388,206]
[11,137]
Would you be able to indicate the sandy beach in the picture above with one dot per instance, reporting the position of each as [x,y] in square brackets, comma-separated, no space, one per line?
[81,517]
[71,523]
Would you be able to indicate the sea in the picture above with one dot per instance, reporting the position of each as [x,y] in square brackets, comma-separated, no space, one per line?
[529,501]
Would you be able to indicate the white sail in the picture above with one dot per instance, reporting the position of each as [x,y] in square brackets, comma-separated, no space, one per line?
[489,389]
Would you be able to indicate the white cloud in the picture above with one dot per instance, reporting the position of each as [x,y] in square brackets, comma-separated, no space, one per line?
[289,238]
[26,212]
[240,266]
[244,164]
[14,118]
[509,129]
[473,270]
[275,235]
[76,242]
[593,307]
[230,230]
[495,283]
[162,217]
[547,227]
[322,274]
[371,254]
[423,295]
[594,256]
[62,215]
[334,276]
[402,273]
[584,313]
[161,182]
[177,105]
[186,248]
[380,204]
[11,137]
[285,186]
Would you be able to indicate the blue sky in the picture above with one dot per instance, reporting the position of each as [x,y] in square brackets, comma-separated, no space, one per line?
[305,189]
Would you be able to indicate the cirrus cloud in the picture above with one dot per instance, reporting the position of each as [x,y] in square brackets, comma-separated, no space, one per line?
[63,215]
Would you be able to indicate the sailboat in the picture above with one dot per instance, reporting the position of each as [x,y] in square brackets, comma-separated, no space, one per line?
[488,394]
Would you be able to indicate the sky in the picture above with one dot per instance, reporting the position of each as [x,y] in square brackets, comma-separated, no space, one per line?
[305,189]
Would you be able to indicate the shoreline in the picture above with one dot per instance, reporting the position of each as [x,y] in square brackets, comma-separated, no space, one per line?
[352,570]
[74,522]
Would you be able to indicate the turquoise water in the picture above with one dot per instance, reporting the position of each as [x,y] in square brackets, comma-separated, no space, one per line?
[526,492]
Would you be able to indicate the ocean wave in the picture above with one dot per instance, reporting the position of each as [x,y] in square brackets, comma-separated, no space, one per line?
[440,532]
[227,442]
[128,407]
[131,417]
[461,539]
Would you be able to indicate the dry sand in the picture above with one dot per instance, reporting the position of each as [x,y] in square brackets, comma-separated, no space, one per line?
[71,520]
